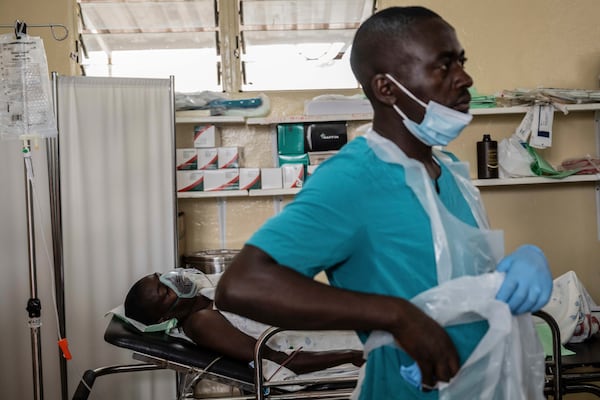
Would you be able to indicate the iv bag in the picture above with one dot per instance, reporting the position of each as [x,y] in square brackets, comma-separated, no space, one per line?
[25,97]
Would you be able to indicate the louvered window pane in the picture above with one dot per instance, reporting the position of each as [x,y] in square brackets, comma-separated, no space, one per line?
[139,38]
[301,44]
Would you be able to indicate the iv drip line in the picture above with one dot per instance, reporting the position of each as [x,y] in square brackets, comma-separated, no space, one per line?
[62,341]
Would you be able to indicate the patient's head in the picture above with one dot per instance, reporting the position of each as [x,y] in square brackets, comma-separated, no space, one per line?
[148,300]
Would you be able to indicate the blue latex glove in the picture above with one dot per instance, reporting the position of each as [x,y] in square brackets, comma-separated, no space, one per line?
[528,282]
[411,374]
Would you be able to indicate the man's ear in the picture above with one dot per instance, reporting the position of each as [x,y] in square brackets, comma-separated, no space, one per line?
[383,90]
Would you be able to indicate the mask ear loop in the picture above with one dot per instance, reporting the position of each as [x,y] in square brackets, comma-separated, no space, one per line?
[405,90]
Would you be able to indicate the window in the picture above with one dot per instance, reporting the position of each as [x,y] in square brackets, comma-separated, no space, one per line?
[299,44]
[152,39]
[223,44]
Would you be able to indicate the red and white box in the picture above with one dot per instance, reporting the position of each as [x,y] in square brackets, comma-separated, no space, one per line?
[221,179]
[206,136]
[249,178]
[207,158]
[292,175]
[228,157]
[190,181]
[186,159]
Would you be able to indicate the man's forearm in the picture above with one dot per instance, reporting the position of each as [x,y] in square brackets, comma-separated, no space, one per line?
[260,289]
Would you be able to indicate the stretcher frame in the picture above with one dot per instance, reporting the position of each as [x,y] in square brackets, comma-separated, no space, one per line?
[191,363]
[578,373]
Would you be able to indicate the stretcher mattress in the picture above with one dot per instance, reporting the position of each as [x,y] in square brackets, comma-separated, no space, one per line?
[177,350]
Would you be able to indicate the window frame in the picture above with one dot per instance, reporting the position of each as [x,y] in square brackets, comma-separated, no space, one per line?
[229,44]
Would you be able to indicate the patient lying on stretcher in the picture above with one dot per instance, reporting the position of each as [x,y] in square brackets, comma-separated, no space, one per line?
[186,295]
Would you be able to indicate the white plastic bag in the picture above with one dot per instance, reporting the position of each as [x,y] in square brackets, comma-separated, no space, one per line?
[507,364]
[514,159]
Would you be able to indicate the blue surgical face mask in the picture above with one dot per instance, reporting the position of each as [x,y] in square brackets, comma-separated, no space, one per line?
[440,124]
[179,281]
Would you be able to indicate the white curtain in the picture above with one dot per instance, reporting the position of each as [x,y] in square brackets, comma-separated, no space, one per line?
[118,215]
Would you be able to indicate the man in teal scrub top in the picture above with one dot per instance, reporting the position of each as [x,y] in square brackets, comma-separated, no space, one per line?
[386,219]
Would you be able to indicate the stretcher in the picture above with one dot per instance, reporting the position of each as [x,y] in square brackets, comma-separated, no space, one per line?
[192,363]
[576,373]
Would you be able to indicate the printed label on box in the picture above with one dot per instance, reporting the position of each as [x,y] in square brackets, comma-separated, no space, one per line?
[293,175]
[228,157]
[221,179]
[326,136]
[249,178]
[186,159]
[207,158]
[190,181]
[206,136]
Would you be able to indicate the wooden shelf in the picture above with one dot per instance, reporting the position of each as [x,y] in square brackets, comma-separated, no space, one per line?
[534,180]
[308,118]
[523,109]
[273,192]
[237,193]
[199,116]
[215,194]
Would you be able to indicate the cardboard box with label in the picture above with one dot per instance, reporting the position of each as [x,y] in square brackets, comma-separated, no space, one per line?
[221,179]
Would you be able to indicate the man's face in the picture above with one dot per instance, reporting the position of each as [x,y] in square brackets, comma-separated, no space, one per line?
[158,298]
[432,67]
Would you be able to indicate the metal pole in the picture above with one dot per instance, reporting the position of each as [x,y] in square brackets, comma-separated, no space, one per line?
[173,162]
[52,152]
[34,306]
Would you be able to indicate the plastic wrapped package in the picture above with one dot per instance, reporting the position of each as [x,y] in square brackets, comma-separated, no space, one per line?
[219,104]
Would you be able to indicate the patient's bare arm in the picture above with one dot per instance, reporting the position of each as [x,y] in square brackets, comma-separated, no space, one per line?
[210,329]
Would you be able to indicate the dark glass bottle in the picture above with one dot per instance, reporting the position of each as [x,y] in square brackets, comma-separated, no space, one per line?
[487,158]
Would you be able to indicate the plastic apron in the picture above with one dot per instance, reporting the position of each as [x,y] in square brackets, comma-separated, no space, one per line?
[508,363]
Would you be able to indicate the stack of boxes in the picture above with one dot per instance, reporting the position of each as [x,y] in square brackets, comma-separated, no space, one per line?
[303,147]
[208,166]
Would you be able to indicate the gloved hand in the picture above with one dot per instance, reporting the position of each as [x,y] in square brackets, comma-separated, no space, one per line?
[411,374]
[528,283]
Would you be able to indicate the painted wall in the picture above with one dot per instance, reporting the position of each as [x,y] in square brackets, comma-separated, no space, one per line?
[510,44]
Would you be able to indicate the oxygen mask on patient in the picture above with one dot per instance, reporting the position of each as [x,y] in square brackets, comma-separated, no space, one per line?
[181,282]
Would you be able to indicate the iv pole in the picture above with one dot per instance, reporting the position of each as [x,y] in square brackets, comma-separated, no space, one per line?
[34,304]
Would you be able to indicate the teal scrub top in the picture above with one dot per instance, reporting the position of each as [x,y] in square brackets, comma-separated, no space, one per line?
[357,220]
